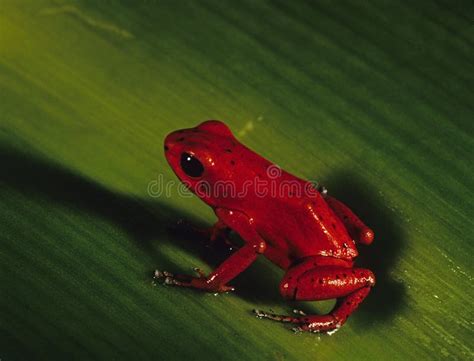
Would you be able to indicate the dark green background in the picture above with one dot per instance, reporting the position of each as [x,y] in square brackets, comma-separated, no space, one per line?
[373,98]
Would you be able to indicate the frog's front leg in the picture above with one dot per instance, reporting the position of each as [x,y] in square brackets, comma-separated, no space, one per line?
[356,228]
[218,230]
[310,281]
[232,266]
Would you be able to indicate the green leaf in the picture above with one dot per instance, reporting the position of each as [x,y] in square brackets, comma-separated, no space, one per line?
[373,99]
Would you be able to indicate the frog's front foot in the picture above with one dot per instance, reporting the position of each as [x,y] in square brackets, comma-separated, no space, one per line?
[168,278]
[201,282]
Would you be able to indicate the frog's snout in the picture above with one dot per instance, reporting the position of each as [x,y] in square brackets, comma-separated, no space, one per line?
[167,145]
[173,145]
[170,141]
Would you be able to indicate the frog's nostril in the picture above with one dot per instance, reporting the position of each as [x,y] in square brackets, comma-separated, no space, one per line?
[169,141]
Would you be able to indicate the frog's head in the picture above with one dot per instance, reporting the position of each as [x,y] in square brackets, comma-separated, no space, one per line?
[201,156]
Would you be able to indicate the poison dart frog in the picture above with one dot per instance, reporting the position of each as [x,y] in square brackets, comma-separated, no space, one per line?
[298,227]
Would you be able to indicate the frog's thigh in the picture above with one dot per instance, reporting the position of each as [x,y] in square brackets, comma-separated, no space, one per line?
[356,228]
[324,282]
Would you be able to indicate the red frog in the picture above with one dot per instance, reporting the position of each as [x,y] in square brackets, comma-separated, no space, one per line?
[311,235]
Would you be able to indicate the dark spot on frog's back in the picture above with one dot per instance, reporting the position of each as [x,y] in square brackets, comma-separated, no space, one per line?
[228,150]
[166,148]
[180,139]
[232,162]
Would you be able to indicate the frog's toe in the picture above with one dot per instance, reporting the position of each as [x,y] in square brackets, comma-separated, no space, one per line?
[200,272]
[166,278]
[271,316]
[161,274]
[299,312]
[297,329]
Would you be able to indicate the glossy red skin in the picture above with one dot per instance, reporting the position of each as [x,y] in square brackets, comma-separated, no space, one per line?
[311,236]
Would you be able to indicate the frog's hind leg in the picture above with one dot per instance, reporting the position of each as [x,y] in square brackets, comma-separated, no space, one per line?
[322,323]
[349,285]
[356,228]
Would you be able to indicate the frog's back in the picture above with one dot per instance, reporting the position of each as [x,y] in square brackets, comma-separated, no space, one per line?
[300,224]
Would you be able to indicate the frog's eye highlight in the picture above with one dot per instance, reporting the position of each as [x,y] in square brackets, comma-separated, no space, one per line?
[191,165]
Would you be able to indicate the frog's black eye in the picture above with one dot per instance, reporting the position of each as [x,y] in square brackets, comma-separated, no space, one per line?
[191,165]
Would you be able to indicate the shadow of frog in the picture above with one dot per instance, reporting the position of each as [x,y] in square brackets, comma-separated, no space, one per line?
[148,222]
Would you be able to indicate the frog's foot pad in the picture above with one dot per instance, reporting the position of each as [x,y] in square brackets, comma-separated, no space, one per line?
[317,329]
